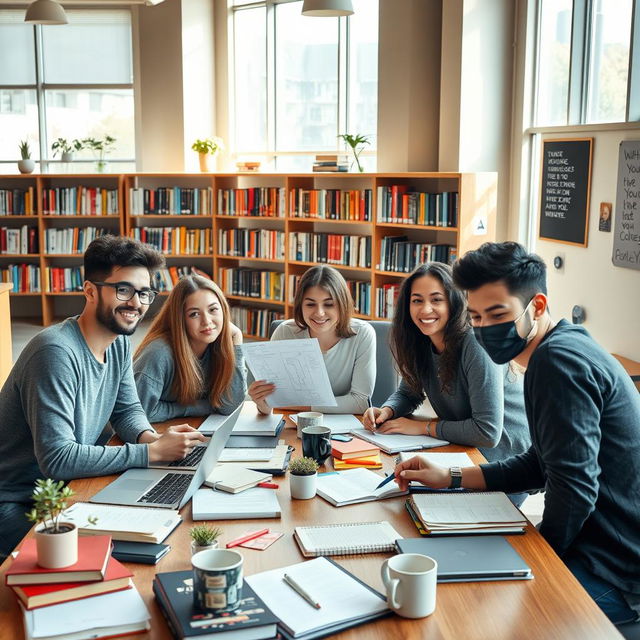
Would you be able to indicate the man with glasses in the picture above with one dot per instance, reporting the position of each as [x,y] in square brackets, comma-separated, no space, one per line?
[72,379]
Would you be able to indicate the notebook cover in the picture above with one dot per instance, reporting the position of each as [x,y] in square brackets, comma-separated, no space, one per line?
[355,448]
[142,552]
[93,554]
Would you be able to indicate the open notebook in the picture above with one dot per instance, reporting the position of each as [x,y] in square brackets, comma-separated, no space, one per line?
[396,442]
[354,485]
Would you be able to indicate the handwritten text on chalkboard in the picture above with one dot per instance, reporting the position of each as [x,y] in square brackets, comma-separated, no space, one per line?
[626,243]
[559,184]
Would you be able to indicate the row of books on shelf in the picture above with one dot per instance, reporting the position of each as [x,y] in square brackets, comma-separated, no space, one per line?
[359,289]
[171,201]
[398,253]
[400,204]
[17,202]
[63,279]
[84,201]
[166,278]
[174,240]
[331,204]
[18,241]
[254,322]
[330,248]
[252,283]
[251,243]
[70,240]
[24,277]
[386,297]
[268,202]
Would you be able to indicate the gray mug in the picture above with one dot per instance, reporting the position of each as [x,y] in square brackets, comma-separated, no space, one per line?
[217,579]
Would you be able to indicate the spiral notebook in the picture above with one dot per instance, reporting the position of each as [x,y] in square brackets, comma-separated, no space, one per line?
[346,539]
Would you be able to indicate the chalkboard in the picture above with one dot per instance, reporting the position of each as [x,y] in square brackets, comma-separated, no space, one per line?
[626,239]
[566,182]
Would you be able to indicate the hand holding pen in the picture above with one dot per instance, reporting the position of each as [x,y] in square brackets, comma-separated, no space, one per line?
[373,417]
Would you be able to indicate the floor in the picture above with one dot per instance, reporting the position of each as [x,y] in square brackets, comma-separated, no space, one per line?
[23,331]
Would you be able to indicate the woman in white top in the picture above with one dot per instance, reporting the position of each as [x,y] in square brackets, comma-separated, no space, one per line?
[323,309]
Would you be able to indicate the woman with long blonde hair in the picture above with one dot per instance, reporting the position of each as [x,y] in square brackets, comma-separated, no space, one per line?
[190,363]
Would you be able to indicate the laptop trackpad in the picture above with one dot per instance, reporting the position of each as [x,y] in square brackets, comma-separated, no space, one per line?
[137,486]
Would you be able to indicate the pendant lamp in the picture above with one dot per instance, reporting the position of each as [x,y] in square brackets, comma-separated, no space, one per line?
[327,8]
[45,12]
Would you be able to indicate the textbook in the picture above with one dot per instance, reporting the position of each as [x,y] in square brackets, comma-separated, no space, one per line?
[344,600]
[346,538]
[116,578]
[252,620]
[355,448]
[276,465]
[142,552]
[395,443]
[93,555]
[370,462]
[208,504]
[355,485]
[235,479]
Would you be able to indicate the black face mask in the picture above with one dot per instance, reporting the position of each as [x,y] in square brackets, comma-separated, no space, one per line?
[502,341]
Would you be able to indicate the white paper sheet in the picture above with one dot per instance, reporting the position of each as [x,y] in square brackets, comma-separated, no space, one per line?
[441,459]
[246,455]
[297,369]
[393,442]
[253,503]
[337,422]
[250,422]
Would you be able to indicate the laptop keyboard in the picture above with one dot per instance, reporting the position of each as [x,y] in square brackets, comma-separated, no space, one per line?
[170,489]
[192,459]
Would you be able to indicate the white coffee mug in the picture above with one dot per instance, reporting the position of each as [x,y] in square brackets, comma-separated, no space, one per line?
[308,419]
[410,581]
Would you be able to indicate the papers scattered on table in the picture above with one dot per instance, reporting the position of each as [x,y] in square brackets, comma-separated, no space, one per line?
[246,455]
[208,504]
[276,465]
[394,443]
[297,369]
[355,485]
[337,422]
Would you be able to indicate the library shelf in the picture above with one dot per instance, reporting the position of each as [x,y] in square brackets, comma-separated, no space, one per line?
[16,256]
[14,217]
[25,293]
[232,296]
[419,227]
[63,293]
[340,267]
[246,258]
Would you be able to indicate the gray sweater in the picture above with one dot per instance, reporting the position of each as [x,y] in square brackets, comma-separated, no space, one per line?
[54,406]
[154,370]
[485,408]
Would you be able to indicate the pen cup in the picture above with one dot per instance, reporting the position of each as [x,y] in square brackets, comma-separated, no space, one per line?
[309,419]
[410,582]
[217,579]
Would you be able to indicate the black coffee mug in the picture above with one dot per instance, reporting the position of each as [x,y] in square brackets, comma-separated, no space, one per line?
[316,443]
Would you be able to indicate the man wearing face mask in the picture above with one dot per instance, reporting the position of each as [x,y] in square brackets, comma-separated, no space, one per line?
[584,416]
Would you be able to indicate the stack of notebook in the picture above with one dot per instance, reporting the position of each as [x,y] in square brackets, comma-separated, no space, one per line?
[93,598]
[355,453]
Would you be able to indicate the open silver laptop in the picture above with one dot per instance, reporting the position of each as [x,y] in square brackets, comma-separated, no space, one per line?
[163,488]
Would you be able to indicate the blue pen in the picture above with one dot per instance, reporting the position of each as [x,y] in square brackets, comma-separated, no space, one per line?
[389,478]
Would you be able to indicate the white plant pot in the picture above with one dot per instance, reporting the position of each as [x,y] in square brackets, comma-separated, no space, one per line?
[26,166]
[303,487]
[57,550]
[67,156]
[195,548]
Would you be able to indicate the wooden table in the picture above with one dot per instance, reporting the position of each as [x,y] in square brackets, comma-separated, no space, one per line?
[553,605]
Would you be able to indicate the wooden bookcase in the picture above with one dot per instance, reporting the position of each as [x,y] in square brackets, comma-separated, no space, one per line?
[221,219]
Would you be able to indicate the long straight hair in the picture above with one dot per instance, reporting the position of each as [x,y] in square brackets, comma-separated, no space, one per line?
[334,284]
[170,325]
[409,345]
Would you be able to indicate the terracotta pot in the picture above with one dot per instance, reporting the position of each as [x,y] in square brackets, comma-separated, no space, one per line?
[303,487]
[57,550]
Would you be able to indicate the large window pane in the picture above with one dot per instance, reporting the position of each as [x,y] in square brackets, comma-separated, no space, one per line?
[250,61]
[553,63]
[94,48]
[16,45]
[609,64]
[363,69]
[18,121]
[92,113]
[306,80]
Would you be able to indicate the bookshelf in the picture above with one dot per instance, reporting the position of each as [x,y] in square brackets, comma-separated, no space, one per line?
[255,233]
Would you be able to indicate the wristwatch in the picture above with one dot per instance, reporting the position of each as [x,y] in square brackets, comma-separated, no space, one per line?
[456,477]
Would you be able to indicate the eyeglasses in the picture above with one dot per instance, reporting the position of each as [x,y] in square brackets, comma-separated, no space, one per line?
[126,291]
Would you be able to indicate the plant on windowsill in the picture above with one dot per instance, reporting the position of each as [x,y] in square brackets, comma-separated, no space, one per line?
[66,149]
[26,164]
[204,536]
[303,477]
[102,147]
[56,540]
[205,149]
[353,141]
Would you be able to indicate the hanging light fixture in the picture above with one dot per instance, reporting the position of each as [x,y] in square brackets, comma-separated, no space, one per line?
[327,8]
[45,12]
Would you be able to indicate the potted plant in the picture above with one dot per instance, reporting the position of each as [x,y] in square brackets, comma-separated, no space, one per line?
[204,536]
[303,478]
[102,147]
[26,164]
[205,148]
[56,541]
[353,141]
[66,148]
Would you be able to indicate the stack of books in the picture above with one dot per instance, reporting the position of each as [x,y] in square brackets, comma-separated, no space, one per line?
[94,597]
[331,162]
[248,166]
[355,453]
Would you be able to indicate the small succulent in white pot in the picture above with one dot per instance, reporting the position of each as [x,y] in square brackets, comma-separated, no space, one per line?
[303,478]
[204,536]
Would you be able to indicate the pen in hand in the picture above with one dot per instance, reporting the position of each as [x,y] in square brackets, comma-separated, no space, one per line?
[300,591]
[388,479]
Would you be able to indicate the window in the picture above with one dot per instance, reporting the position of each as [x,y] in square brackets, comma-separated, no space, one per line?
[298,82]
[583,61]
[82,86]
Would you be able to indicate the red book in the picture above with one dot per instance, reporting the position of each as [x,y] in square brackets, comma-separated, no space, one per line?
[93,555]
[116,578]
[355,448]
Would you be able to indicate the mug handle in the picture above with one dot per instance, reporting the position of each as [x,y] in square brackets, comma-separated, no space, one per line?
[391,584]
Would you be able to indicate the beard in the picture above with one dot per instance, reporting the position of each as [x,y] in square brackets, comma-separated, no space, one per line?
[108,319]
